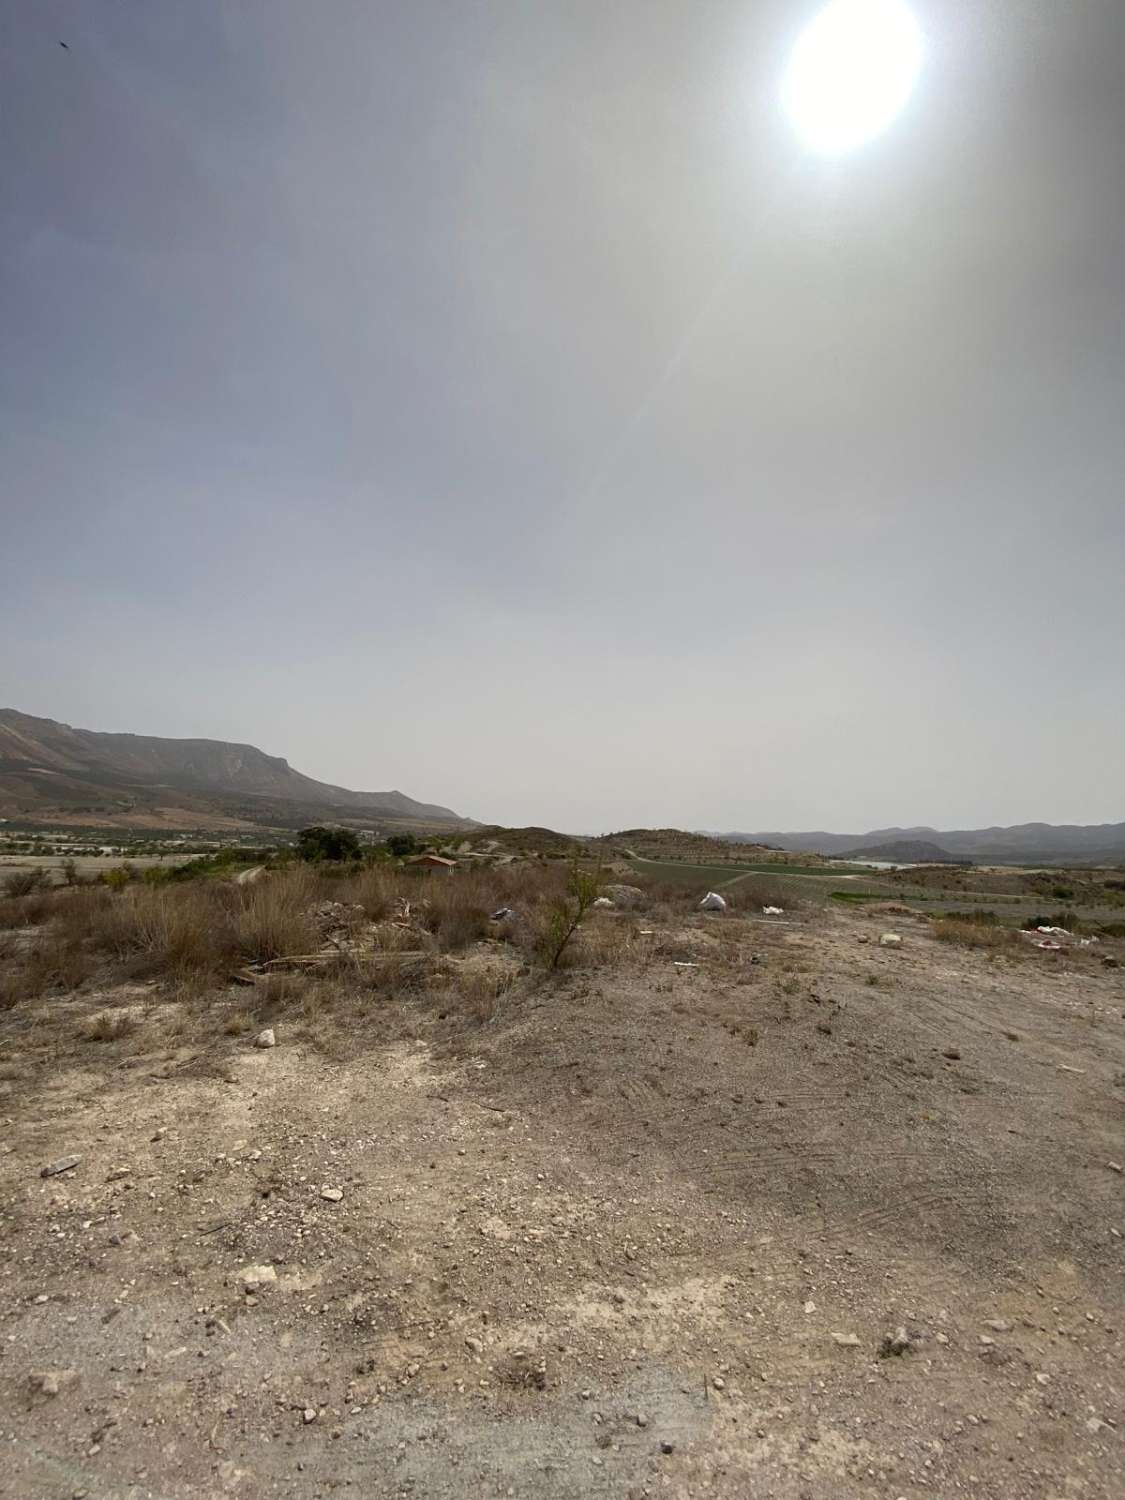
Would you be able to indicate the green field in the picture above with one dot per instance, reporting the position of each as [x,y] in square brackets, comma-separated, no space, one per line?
[821,885]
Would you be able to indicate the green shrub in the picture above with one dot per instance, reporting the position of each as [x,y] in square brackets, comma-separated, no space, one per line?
[321,843]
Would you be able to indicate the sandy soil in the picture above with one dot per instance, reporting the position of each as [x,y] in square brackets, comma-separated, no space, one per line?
[812,1219]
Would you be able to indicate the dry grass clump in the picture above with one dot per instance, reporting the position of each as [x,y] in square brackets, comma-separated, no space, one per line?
[25,882]
[756,891]
[46,966]
[971,934]
[376,890]
[605,941]
[206,927]
[273,920]
[457,909]
[109,1025]
[480,988]
[28,910]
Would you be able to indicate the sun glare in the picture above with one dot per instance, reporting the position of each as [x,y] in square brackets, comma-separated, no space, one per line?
[851,71]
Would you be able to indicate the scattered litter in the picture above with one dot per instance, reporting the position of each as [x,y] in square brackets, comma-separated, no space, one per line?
[678,963]
[1086,942]
[773,911]
[1050,945]
[1115,1166]
[1055,931]
[1066,1068]
[712,902]
[501,913]
[890,940]
[603,901]
[846,1340]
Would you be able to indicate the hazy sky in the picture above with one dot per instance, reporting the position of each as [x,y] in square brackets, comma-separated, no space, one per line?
[495,401]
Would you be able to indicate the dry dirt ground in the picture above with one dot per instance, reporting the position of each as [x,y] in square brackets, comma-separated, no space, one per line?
[812,1219]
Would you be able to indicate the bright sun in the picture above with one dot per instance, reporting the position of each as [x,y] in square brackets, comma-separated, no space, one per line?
[851,71]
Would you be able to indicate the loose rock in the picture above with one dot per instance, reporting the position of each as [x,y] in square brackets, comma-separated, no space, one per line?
[896,1344]
[253,1277]
[265,1038]
[64,1164]
[51,1382]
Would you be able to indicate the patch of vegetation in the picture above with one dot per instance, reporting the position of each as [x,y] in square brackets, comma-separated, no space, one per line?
[565,917]
[25,882]
[402,845]
[318,843]
[974,934]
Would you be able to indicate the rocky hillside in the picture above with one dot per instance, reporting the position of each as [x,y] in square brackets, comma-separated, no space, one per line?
[54,772]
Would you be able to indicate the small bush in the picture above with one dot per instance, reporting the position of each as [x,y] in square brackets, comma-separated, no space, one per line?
[25,882]
[565,917]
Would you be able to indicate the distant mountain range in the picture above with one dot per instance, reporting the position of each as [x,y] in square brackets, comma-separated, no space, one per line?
[53,773]
[1023,844]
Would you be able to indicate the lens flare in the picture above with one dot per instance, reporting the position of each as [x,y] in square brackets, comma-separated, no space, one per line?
[851,72]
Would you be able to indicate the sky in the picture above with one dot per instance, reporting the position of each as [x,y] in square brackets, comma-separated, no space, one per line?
[501,403]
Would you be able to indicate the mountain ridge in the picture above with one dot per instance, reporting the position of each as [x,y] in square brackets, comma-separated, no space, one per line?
[98,774]
[1019,843]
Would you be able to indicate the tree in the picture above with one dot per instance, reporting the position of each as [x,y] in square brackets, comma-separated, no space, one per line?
[402,844]
[566,916]
[319,843]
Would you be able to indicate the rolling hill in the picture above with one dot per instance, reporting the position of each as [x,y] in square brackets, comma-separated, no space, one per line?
[906,851]
[52,772]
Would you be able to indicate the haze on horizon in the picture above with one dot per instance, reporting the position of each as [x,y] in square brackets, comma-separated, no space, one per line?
[500,403]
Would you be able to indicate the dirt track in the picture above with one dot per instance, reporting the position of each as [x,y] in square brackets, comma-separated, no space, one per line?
[646,1231]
